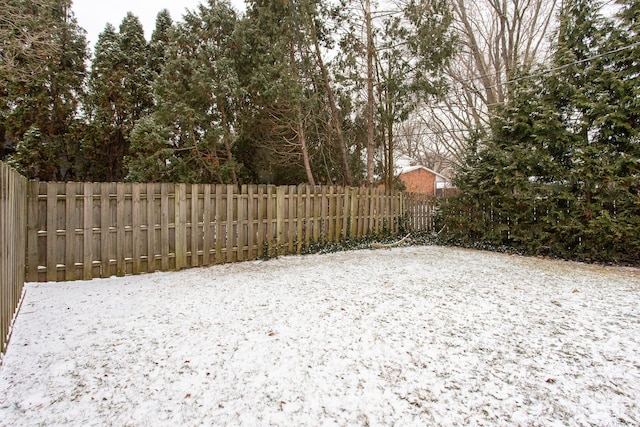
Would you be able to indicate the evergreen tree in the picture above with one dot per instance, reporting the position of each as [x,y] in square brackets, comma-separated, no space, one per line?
[159,42]
[40,109]
[120,94]
[273,60]
[25,31]
[189,137]
[561,174]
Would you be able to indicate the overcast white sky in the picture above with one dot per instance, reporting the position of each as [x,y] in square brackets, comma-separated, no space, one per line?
[93,15]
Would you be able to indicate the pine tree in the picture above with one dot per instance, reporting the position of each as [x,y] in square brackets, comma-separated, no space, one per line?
[120,94]
[159,42]
[604,154]
[40,109]
[190,135]
[270,64]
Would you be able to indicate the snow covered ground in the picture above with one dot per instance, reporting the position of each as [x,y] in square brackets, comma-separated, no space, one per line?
[409,336]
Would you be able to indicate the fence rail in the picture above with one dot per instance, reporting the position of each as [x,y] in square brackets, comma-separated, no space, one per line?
[88,230]
[13,214]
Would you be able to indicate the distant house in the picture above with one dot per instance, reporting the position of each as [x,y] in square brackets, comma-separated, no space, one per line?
[420,179]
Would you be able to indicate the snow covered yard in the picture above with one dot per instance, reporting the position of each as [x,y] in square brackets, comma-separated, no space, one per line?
[409,336]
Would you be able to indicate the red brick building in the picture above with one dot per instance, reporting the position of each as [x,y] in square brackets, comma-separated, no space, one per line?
[419,179]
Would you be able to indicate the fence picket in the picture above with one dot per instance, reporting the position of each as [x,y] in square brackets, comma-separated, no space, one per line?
[87,251]
[261,217]
[229,232]
[193,216]
[206,226]
[251,225]
[165,243]
[180,226]
[136,228]
[241,221]
[120,229]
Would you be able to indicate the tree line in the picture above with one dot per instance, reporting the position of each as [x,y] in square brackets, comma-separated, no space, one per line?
[284,93]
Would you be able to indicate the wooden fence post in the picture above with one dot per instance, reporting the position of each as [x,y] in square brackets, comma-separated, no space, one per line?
[280,218]
[87,251]
[206,226]
[231,235]
[181,225]
[136,231]
[32,231]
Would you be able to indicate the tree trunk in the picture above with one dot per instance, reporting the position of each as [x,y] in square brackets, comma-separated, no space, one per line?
[227,144]
[332,106]
[300,133]
[302,139]
[370,100]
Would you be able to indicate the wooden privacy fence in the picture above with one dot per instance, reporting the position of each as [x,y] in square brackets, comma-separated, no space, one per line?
[88,230]
[13,214]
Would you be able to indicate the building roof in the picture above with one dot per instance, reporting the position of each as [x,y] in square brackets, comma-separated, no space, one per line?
[407,169]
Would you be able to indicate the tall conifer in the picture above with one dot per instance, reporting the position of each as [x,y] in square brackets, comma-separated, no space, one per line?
[119,94]
[189,137]
[40,106]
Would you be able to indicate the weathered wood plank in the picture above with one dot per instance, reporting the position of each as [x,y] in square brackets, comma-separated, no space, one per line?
[251,224]
[136,228]
[271,220]
[308,216]
[315,219]
[290,221]
[300,210]
[120,229]
[32,231]
[230,234]
[220,224]
[280,218]
[331,213]
[70,231]
[87,250]
[164,226]
[181,226]
[241,213]
[105,222]
[194,231]
[52,231]
[261,219]
[206,226]
[151,227]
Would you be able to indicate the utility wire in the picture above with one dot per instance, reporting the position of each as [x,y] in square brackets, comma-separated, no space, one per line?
[461,91]
[562,67]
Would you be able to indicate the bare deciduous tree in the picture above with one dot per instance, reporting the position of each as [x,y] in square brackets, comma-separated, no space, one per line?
[26,43]
[498,39]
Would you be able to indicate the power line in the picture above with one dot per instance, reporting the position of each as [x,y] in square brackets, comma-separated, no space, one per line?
[461,91]
[562,67]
